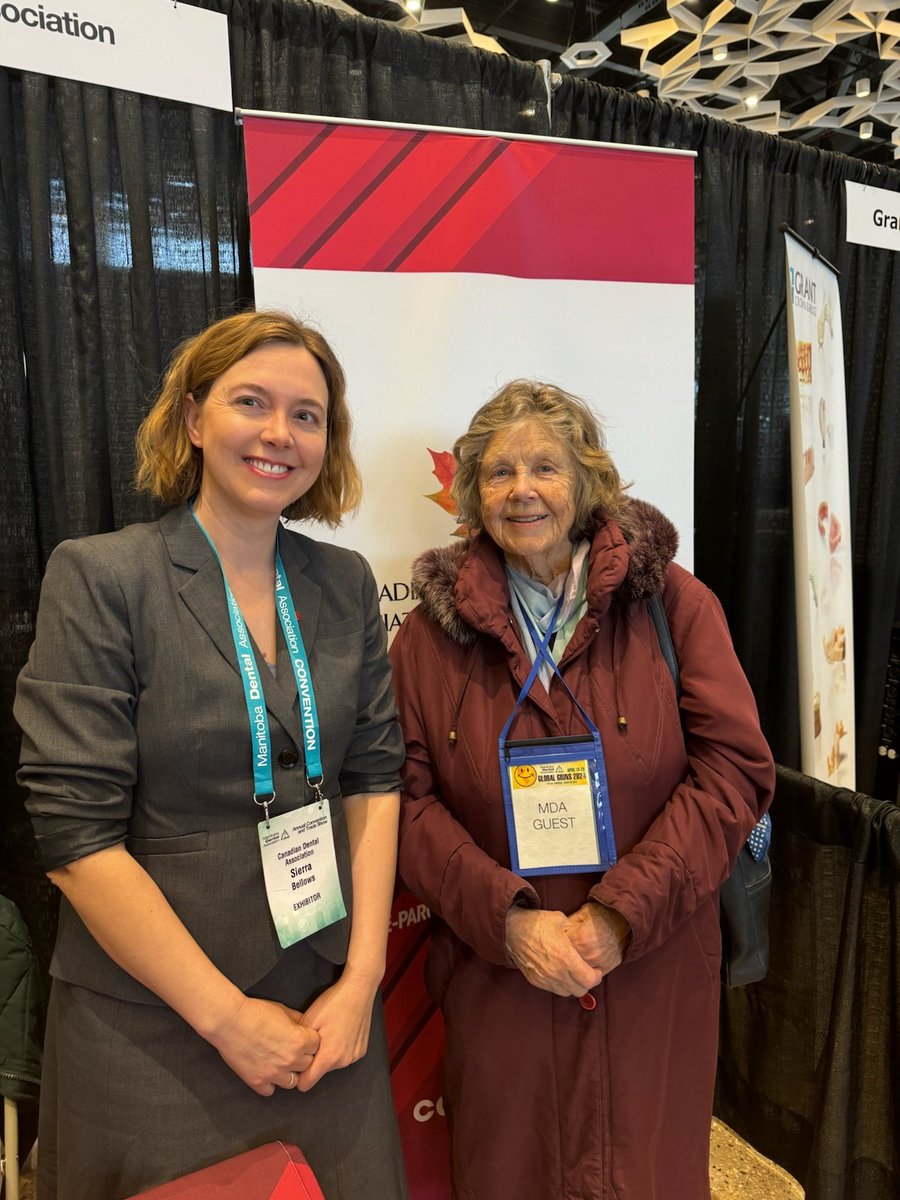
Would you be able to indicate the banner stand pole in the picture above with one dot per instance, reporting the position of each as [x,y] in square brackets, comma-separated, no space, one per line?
[783,228]
[814,251]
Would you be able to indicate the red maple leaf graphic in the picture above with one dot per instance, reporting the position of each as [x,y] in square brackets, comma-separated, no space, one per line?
[444,470]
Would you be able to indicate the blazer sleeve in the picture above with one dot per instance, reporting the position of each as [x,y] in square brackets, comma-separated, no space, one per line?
[692,845]
[75,704]
[374,757]
[439,859]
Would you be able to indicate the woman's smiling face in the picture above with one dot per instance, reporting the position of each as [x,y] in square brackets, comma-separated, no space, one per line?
[262,431]
[527,485]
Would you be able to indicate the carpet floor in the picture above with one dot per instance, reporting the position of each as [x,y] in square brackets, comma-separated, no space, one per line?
[736,1172]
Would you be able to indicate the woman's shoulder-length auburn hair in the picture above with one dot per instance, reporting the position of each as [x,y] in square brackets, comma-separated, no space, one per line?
[598,488]
[170,467]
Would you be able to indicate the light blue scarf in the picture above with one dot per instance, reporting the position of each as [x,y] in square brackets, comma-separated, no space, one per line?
[539,601]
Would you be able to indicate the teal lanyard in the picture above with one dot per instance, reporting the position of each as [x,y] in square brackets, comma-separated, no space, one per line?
[263,780]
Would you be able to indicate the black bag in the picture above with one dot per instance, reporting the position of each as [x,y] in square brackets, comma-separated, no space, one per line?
[744,896]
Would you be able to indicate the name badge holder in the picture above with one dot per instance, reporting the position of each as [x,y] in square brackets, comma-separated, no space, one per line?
[554,789]
[297,848]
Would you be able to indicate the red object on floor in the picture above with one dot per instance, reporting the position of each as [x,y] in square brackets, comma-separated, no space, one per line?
[276,1171]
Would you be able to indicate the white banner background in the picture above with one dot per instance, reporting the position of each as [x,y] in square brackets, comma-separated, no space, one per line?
[422,352]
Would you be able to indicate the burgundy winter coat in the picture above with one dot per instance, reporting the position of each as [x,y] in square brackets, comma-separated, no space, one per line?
[548,1101]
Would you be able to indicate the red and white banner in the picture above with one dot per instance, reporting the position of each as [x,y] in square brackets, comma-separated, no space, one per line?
[440,264]
[416,1043]
[443,264]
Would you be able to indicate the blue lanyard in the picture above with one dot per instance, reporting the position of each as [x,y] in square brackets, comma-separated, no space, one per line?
[263,780]
[544,655]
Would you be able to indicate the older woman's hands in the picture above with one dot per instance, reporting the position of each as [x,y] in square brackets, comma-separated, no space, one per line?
[599,934]
[536,942]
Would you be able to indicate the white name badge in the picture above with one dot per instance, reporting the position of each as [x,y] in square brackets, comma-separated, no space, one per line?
[557,809]
[300,870]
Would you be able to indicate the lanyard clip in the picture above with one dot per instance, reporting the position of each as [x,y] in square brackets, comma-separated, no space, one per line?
[316,785]
[264,801]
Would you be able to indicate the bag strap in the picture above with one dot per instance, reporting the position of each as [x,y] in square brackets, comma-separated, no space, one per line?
[664,633]
[761,834]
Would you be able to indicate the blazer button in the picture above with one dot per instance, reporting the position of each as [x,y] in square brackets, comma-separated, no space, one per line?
[288,759]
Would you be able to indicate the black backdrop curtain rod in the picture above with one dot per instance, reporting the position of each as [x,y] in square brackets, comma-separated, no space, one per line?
[816,253]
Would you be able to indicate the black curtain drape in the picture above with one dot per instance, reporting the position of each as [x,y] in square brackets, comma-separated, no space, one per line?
[809,1068]
[747,185]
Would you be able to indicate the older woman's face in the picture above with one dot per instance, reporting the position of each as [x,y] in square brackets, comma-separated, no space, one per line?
[527,484]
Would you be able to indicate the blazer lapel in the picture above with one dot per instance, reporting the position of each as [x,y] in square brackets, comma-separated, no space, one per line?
[203,592]
[307,597]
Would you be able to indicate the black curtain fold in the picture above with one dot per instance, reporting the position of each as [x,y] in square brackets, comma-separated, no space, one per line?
[809,1067]
[306,58]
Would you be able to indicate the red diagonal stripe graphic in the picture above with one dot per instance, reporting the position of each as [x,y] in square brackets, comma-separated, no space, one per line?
[359,199]
[476,210]
[413,1033]
[321,187]
[448,202]
[296,162]
[319,197]
[499,149]
[634,229]
[421,182]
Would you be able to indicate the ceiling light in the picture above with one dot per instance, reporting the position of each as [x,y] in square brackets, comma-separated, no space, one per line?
[863,88]
[752,99]
[866,129]
[414,6]
[720,53]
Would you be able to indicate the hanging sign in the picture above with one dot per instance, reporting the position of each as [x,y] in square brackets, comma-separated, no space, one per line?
[873,216]
[154,47]
[821,503]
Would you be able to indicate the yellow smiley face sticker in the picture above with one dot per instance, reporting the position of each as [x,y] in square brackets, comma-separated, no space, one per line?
[524,775]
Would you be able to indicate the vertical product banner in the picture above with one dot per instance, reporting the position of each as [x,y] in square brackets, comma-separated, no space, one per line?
[821,505]
[441,264]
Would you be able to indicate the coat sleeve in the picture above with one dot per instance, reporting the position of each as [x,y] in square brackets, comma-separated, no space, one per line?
[691,847]
[75,704]
[439,860]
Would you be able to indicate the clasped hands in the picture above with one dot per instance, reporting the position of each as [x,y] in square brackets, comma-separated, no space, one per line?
[270,1045]
[567,955]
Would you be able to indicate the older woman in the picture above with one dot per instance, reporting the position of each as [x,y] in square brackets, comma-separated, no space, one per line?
[212,756]
[621,840]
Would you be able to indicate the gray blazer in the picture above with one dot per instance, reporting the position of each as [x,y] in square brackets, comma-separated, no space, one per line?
[135,731]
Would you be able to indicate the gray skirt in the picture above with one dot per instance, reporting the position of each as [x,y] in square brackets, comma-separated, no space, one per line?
[131,1097]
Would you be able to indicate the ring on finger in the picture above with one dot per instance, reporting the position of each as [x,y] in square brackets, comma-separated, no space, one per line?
[293,1080]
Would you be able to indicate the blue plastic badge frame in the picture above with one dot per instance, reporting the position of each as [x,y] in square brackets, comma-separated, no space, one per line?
[552,750]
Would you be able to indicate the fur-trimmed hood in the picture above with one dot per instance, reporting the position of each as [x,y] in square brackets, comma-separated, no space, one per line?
[650,537]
